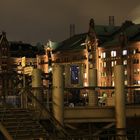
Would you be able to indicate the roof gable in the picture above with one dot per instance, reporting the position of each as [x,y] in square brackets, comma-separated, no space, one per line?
[106,35]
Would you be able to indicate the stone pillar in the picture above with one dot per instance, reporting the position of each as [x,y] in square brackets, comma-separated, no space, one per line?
[120,101]
[36,85]
[92,82]
[58,93]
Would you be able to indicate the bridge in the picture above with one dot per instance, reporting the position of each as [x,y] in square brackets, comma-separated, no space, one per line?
[97,114]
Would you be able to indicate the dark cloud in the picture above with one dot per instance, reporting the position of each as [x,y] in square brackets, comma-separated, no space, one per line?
[40,20]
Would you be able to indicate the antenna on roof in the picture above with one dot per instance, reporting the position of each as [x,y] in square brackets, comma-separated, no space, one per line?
[72,30]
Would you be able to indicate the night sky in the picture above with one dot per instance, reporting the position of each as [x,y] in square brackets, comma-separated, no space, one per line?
[35,21]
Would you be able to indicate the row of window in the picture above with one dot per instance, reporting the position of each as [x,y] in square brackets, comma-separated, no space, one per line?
[28,63]
[113,63]
[135,71]
[3,68]
[4,51]
[125,83]
[136,82]
[114,53]
[74,58]
[135,61]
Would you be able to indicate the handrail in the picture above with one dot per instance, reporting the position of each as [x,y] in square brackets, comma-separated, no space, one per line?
[5,132]
[58,126]
[52,119]
[2,128]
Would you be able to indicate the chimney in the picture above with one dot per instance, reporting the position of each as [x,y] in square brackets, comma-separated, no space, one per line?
[72,30]
[111,21]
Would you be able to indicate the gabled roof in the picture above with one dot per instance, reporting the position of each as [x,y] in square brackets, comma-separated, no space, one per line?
[106,35]
[103,33]
[104,30]
[73,43]
[132,33]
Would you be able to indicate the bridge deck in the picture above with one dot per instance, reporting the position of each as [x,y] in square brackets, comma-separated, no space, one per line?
[97,114]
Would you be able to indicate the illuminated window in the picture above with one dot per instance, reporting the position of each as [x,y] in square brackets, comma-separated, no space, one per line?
[136,82]
[89,48]
[50,69]
[112,74]
[85,75]
[103,74]
[104,64]
[125,72]
[113,63]
[90,56]
[125,82]
[104,83]
[112,83]
[103,55]
[135,71]
[113,53]
[74,74]
[125,62]
[124,52]
[135,51]
[138,71]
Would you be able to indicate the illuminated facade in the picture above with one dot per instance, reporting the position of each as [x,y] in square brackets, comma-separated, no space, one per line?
[102,47]
[115,45]
[11,54]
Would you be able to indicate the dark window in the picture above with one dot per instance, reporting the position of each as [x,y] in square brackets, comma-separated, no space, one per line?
[135,61]
[74,74]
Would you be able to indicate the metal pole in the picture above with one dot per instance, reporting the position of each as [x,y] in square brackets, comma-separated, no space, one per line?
[120,101]
[92,95]
[58,93]
[5,132]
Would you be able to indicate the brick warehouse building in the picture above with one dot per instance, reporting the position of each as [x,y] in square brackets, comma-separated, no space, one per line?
[11,54]
[102,47]
[115,45]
